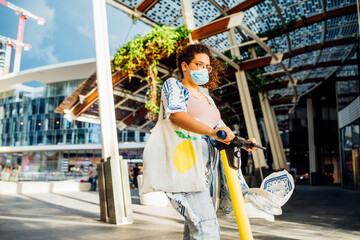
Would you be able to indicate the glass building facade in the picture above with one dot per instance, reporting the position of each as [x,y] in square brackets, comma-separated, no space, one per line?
[2,57]
[27,118]
[348,93]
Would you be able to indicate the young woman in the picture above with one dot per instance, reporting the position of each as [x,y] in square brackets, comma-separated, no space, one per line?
[194,111]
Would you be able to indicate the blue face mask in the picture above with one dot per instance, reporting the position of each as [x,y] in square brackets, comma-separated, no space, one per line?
[200,77]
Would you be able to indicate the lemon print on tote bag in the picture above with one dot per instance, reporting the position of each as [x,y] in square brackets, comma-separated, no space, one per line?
[184,155]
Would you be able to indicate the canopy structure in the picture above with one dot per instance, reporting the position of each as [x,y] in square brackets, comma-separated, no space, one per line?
[293,46]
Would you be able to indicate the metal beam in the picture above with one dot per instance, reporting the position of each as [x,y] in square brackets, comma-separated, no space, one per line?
[286,99]
[265,61]
[146,5]
[131,12]
[245,5]
[278,10]
[316,18]
[284,84]
[274,56]
[179,16]
[247,107]
[351,51]
[117,78]
[273,13]
[188,16]
[251,42]
[217,26]
[224,13]
[122,93]
[207,31]
[312,66]
[131,118]
[324,3]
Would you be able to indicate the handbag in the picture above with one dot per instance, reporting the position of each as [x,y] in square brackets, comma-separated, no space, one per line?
[172,159]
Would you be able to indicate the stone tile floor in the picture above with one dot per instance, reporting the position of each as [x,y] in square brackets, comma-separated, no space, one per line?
[313,212]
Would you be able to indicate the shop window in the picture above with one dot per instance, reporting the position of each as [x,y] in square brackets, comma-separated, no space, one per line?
[142,137]
[31,138]
[66,124]
[78,124]
[48,137]
[94,135]
[7,126]
[39,125]
[80,136]
[57,123]
[2,112]
[16,122]
[34,107]
[69,137]
[51,121]
[26,109]
[58,137]
[21,124]
[30,124]
[10,110]
[13,125]
[24,139]
[39,138]
[16,139]
[18,109]
[42,105]
[50,105]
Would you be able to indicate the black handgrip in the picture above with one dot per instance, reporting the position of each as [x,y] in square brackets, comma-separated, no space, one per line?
[239,141]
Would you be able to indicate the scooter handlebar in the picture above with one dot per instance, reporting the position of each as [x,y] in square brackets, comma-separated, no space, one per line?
[239,140]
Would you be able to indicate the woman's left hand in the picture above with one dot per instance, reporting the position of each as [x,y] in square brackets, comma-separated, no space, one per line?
[251,149]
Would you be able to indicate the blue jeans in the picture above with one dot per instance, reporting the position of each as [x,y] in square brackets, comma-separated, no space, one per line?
[93,183]
[198,208]
[208,227]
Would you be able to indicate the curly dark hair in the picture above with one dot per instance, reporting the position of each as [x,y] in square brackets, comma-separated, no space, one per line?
[188,54]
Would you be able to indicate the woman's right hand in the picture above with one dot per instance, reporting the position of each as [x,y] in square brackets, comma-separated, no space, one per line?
[229,135]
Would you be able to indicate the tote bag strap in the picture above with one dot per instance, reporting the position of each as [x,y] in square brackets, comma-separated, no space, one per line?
[161,113]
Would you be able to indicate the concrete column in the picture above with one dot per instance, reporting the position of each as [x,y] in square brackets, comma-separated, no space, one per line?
[121,211]
[232,40]
[311,137]
[272,129]
[250,120]
[188,15]
[269,129]
[247,106]
[281,153]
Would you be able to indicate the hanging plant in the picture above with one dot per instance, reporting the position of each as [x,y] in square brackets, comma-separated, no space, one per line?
[146,52]
[257,80]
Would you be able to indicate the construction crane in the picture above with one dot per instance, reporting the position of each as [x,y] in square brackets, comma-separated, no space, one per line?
[10,43]
[24,14]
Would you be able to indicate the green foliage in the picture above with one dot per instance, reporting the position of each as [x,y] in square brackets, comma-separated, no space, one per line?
[146,52]
[257,80]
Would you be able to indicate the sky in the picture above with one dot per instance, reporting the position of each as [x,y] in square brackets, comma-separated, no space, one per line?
[68,33]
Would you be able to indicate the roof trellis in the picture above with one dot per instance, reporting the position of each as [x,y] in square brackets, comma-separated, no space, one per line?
[316,45]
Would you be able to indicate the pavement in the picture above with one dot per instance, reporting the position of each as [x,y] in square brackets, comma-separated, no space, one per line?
[313,212]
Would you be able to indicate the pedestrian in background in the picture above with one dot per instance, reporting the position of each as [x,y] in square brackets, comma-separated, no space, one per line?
[93,177]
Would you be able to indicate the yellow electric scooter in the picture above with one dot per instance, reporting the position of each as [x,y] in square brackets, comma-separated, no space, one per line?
[235,188]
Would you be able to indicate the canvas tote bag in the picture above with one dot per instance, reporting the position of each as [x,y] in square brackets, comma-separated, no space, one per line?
[172,159]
